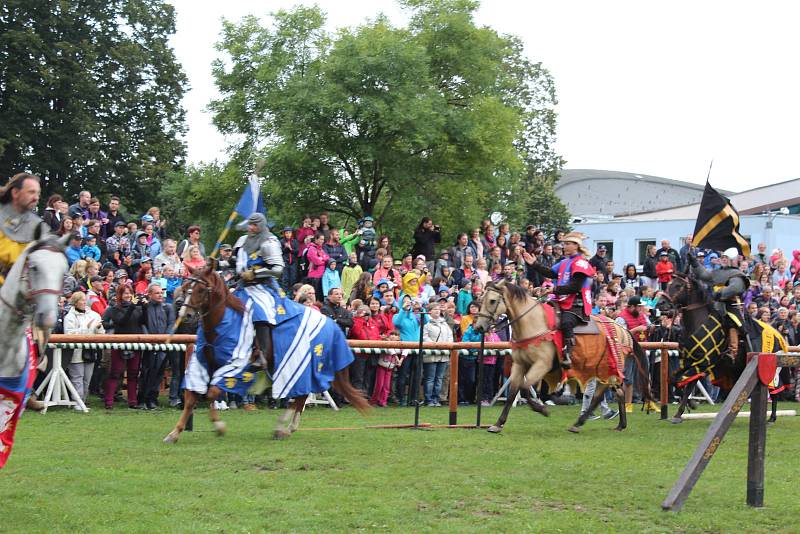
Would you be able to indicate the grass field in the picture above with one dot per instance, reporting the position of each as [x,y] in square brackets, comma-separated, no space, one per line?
[109,472]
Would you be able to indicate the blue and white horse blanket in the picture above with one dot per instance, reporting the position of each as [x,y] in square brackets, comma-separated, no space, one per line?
[309,347]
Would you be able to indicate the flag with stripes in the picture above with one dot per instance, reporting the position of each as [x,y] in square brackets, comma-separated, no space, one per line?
[717,225]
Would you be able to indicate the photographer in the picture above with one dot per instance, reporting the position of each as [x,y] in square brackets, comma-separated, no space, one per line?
[426,236]
[125,317]
[783,324]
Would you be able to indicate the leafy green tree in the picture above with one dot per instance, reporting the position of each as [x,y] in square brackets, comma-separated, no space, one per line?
[437,118]
[90,95]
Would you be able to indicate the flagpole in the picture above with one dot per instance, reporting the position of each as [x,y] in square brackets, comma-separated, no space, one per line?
[224,233]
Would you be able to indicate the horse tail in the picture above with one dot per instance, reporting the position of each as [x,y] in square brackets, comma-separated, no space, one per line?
[644,377]
[342,385]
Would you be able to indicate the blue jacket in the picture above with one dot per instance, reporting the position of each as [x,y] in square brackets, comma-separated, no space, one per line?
[471,336]
[407,325]
[92,252]
[73,254]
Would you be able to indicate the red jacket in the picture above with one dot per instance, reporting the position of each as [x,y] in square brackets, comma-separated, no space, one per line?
[664,271]
[300,235]
[365,328]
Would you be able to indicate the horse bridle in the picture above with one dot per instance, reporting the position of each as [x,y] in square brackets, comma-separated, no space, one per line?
[491,316]
[189,291]
[687,287]
[30,293]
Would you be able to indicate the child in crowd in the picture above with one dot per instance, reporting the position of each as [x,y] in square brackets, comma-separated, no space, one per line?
[383,374]
[90,249]
[330,278]
[350,275]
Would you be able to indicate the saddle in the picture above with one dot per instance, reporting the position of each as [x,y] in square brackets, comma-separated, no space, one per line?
[583,327]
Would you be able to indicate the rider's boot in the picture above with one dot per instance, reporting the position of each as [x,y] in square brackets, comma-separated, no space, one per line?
[566,362]
[264,340]
[733,343]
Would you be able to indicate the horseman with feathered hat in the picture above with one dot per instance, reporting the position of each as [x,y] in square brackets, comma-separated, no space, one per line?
[573,289]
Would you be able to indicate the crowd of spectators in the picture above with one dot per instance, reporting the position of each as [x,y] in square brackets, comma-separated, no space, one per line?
[125,274]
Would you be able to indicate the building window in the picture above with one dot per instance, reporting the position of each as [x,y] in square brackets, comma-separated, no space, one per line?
[641,249]
[609,248]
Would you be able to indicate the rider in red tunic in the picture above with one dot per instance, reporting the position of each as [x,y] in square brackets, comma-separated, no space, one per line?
[573,288]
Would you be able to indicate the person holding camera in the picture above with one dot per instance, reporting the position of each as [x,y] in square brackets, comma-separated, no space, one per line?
[426,236]
[82,320]
[125,317]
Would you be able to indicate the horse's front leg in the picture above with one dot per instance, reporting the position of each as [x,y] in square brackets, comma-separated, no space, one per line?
[516,379]
[189,402]
[212,395]
[688,389]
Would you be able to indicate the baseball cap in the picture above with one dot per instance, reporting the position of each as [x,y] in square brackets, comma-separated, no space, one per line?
[120,273]
[601,247]
[664,253]
[95,279]
[635,301]
[119,223]
[225,246]
[147,218]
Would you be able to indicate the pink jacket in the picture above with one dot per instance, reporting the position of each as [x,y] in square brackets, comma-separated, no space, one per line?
[317,260]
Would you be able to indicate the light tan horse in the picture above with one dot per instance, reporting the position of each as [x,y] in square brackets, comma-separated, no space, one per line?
[535,356]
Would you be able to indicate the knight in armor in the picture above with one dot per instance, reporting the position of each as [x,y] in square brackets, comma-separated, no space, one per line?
[259,263]
[729,284]
[18,222]
[573,289]
[18,227]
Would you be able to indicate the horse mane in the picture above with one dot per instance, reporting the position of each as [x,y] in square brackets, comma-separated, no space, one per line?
[517,293]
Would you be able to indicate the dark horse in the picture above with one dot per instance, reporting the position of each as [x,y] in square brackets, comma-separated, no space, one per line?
[692,299]
[207,296]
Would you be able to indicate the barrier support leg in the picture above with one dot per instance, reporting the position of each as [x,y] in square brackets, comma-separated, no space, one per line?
[453,395]
[711,441]
[190,421]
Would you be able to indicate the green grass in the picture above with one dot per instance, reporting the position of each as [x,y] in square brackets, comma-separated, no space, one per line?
[109,471]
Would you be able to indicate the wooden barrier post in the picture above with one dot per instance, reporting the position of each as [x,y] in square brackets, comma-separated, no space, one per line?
[452,397]
[664,389]
[756,445]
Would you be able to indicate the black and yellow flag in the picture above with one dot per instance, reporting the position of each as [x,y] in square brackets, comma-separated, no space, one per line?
[717,224]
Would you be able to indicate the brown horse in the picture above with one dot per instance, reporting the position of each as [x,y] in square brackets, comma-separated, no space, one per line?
[535,356]
[207,296]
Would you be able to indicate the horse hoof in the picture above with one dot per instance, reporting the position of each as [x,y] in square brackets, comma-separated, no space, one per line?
[618,428]
[676,420]
[220,428]
[171,438]
[280,434]
[574,429]
[494,429]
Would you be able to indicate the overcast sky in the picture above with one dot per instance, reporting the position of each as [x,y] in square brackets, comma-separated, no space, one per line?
[654,88]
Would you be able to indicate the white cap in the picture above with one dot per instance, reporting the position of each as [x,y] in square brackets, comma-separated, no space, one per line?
[731,253]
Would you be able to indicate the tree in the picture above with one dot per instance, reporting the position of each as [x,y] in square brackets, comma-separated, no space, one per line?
[434,119]
[90,95]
